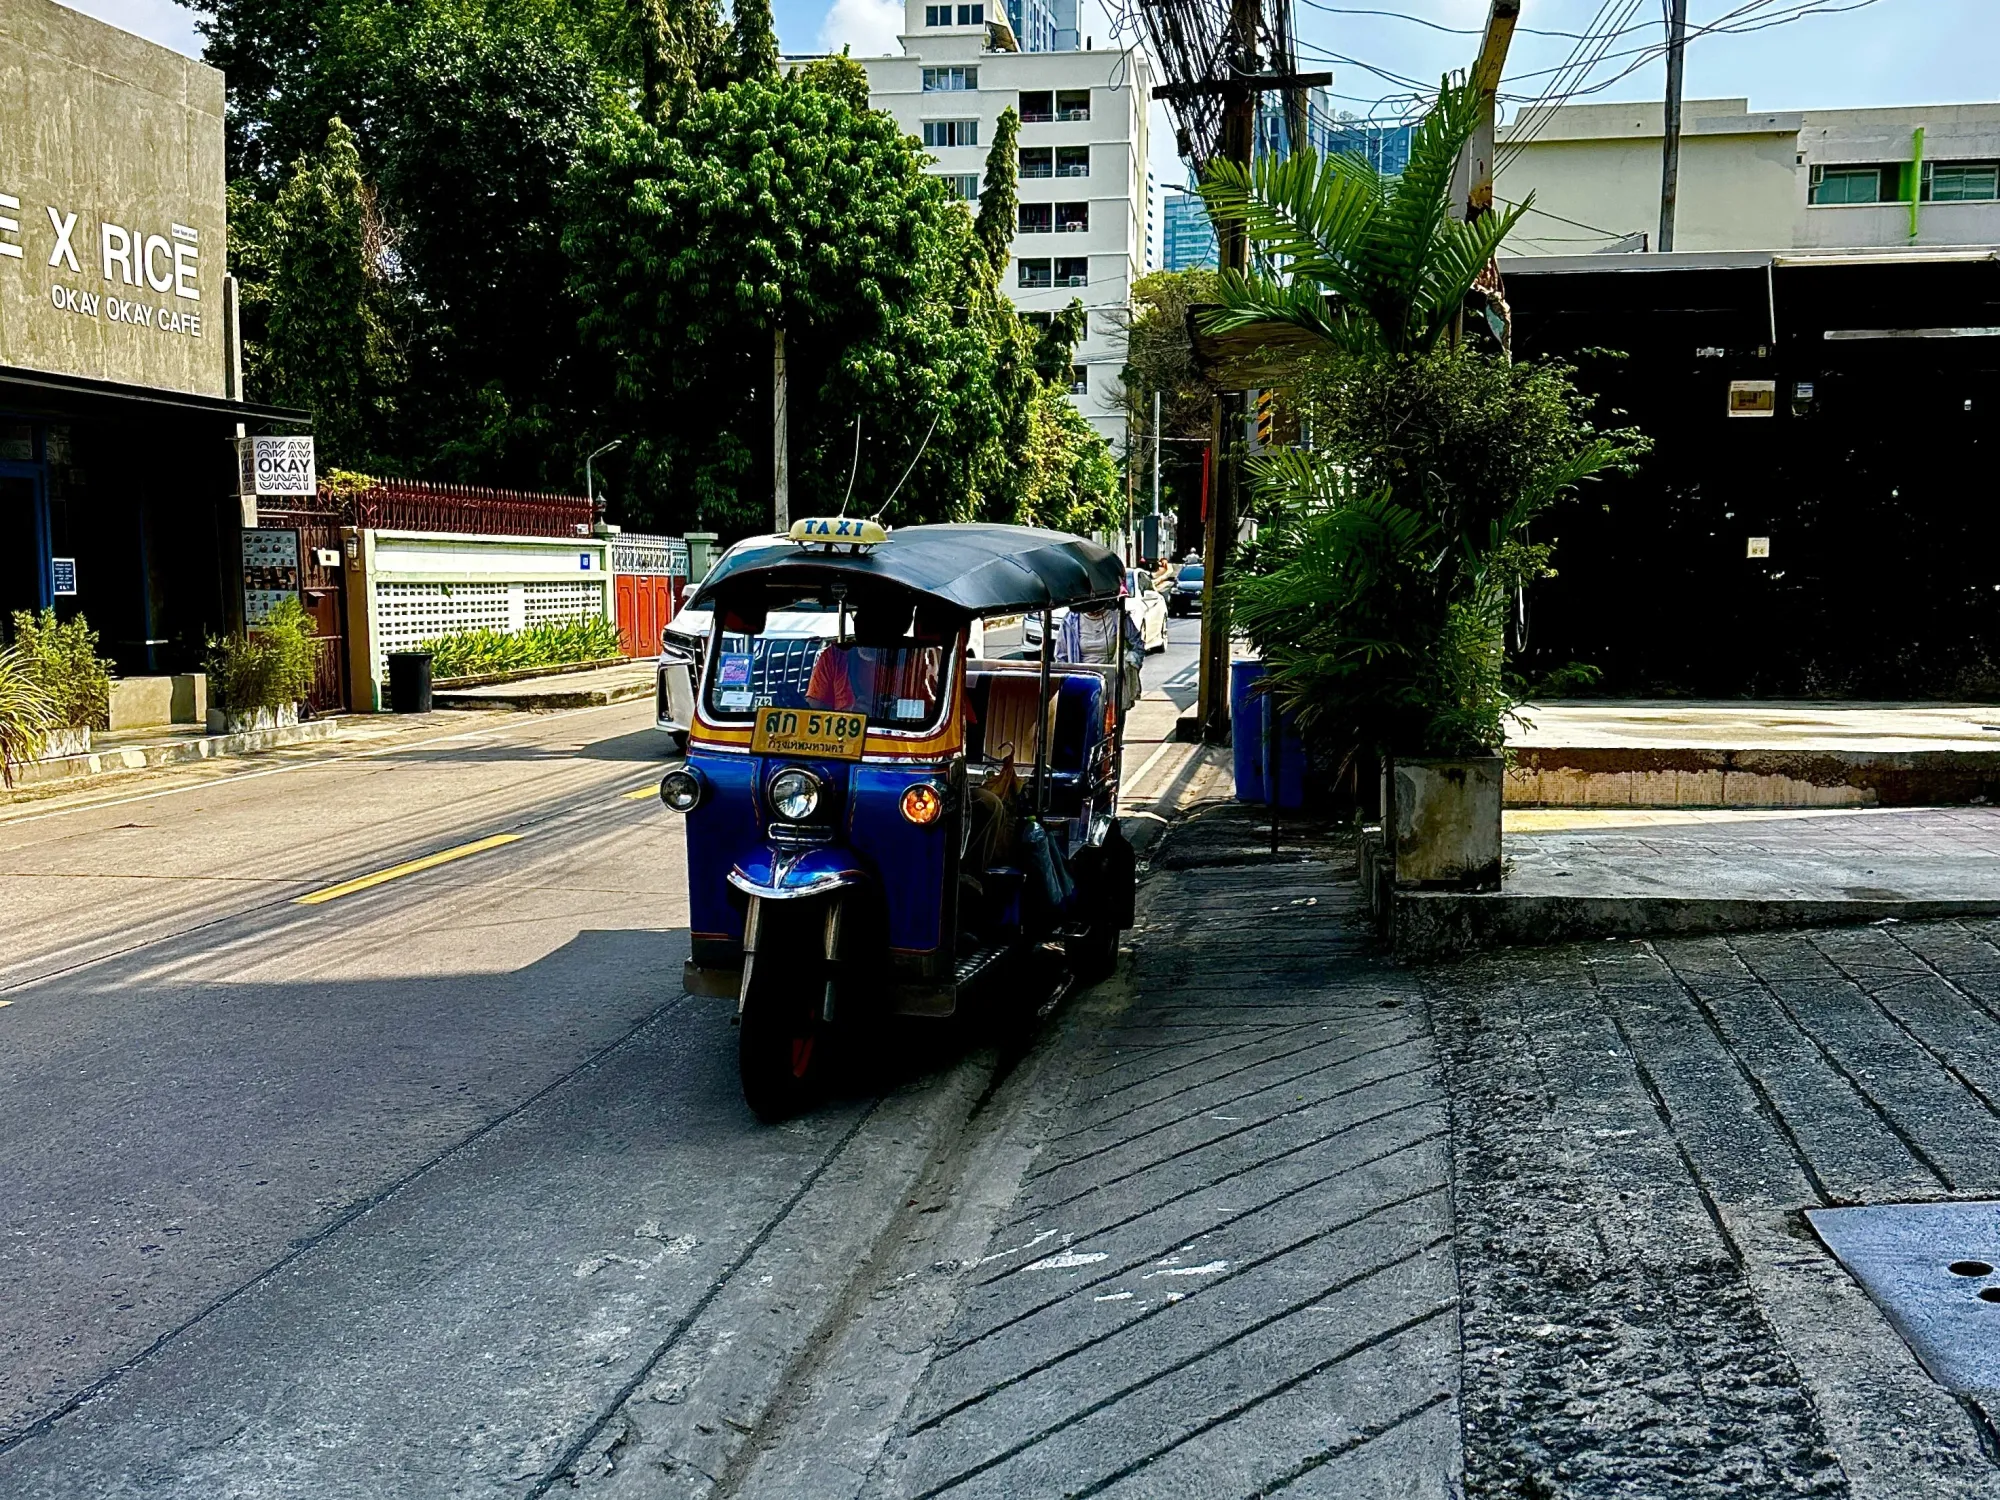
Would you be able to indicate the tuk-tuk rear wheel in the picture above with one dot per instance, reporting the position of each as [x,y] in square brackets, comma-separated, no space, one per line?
[781,1040]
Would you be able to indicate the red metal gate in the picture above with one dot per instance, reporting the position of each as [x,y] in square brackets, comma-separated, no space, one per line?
[323,592]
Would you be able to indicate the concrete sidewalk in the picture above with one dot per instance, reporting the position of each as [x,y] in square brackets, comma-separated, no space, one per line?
[589,689]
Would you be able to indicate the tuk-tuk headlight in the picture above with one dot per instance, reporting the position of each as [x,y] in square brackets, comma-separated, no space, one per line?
[794,794]
[681,789]
[923,804]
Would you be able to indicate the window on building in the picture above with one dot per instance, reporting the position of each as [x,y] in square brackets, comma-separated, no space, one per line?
[1033,273]
[1961,181]
[1072,161]
[1877,182]
[937,15]
[1079,380]
[950,80]
[1038,161]
[1073,270]
[1037,218]
[1038,107]
[1072,218]
[972,15]
[951,132]
[963,186]
[1073,104]
[1038,319]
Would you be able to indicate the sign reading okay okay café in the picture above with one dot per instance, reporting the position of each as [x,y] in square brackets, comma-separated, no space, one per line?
[111,206]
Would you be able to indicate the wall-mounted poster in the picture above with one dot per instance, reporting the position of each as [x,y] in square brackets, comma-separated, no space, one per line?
[270,571]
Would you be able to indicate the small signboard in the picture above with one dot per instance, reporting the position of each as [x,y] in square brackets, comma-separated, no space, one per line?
[270,571]
[275,466]
[1760,546]
[1753,398]
[62,570]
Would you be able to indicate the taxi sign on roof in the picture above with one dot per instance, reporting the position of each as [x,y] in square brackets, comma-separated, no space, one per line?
[856,530]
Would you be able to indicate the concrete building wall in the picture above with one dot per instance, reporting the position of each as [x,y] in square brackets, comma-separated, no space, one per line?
[1746,177]
[1115,135]
[118,142]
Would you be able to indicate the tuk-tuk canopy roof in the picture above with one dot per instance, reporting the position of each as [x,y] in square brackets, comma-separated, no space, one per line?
[977,568]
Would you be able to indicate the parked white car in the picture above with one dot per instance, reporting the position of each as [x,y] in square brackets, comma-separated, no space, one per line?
[1145,604]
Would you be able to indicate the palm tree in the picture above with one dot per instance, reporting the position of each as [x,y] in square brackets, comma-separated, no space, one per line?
[1369,263]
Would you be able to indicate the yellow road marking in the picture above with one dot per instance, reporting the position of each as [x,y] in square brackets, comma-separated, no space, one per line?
[639,795]
[396,872]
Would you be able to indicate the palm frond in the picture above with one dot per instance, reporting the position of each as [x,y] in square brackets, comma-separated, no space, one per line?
[1309,211]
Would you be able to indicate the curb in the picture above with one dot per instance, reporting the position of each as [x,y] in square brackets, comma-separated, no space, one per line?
[527,674]
[173,752]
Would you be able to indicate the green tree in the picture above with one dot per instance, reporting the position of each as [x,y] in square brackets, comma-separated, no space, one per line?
[789,203]
[997,198]
[754,40]
[475,133]
[316,304]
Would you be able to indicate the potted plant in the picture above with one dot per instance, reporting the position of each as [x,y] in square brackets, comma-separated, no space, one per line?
[258,678]
[26,715]
[61,659]
[1393,548]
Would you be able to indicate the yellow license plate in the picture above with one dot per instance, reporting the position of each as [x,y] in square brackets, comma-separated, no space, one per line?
[809,731]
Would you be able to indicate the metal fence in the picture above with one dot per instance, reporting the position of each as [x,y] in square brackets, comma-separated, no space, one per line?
[414,505]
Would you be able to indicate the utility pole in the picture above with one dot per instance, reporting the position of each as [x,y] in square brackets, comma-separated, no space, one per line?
[1239,89]
[781,445]
[1670,150]
[1156,456]
[1475,171]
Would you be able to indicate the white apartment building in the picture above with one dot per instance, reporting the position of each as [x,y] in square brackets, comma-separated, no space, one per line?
[1082,229]
[1804,180]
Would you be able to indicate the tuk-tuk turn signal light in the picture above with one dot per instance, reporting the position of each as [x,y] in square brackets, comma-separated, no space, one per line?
[681,789]
[923,804]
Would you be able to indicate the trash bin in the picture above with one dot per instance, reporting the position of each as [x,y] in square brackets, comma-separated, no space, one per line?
[409,682]
[1250,718]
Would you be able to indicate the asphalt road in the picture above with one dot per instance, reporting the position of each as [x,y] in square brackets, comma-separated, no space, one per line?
[320,1175]
[391,1193]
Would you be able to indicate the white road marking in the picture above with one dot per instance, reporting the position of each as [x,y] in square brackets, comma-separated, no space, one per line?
[1069,1259]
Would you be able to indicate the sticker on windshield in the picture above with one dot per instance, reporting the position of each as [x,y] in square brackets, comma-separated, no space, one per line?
[733,671]
[738,699]
[911,708]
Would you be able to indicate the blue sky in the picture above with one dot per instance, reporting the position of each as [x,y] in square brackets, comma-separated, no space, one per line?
[1883,53]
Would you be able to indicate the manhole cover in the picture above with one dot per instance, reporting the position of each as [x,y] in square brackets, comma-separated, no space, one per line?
[1934,1268]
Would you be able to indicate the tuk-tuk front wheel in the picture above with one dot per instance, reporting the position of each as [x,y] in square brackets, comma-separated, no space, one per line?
[781,1040]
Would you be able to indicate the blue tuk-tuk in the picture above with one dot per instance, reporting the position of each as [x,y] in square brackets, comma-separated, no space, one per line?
[879,822]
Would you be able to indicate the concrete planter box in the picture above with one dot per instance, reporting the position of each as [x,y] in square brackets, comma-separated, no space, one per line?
[1442,822]
[58,743]
[284,716]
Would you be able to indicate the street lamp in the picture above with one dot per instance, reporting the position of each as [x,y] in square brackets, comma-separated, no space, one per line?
[590,482]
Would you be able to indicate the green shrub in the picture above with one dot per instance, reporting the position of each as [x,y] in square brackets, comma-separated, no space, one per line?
[554,643]
[63,659]
[26,714]
[267,667]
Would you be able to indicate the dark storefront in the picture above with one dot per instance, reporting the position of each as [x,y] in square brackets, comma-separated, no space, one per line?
[120,504]
[1872,480]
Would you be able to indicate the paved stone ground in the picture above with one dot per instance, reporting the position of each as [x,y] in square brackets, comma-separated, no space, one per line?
[1636,1128]
[1228,1271]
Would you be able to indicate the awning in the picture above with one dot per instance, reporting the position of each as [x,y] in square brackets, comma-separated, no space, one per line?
[45,390]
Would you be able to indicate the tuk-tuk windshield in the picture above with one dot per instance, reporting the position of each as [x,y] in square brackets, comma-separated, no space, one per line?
[899,686]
